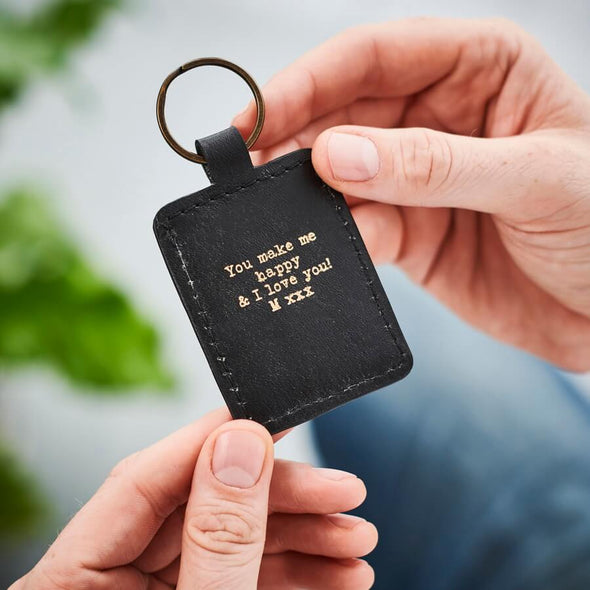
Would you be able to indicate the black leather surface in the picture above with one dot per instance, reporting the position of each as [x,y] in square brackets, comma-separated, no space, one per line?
[228,160]
[334,337]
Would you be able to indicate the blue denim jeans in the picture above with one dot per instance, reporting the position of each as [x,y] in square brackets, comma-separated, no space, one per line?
[477,465]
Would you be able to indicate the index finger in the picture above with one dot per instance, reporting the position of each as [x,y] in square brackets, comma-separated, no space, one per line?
[390,59]
[121,519]
[118,522]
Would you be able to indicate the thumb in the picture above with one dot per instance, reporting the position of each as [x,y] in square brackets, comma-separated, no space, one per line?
[426,168]
[225,522]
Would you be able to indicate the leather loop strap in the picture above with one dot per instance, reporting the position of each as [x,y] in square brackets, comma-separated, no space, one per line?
[228,160]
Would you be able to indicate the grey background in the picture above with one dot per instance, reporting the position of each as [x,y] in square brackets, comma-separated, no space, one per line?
[91,136]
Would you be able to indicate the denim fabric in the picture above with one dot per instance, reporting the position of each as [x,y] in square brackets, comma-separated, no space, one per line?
[477,465]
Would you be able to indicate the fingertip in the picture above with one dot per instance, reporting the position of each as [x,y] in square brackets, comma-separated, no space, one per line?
[369,574]
[319,157]
[352,491]
[244,120]
[362,491]
[357,492]
[360,536]
[352,494]
[347,158]
[249,426]
[238,454]
[280,435]
[359,571]
[372,534]
[217,414]
[366,574]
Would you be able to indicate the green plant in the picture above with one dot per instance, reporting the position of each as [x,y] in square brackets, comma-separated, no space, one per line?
[41,42]
[22,505]
[54,308]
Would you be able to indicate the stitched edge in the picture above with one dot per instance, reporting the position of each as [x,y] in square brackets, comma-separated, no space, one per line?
[236,189]
[375,298]
[171,235]
[219,357]
[227,373]
[300,407]
[365,269]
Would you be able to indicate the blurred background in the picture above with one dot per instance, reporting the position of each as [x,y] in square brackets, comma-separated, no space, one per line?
[97,357]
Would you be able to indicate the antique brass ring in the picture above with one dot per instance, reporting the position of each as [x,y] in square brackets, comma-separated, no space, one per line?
[207,61]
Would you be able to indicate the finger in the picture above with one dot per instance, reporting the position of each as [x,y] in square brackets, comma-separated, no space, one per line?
[385,60]
[120,520]
[169,574]
[280,435]
[295,488]
[288,571]
[426,168]
[165,547]
[226,515]
[370,112]
[77,576]
[416,239]
[332,535]
[382,229]
[301,488]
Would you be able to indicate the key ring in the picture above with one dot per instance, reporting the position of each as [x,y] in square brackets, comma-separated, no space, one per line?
[207,61]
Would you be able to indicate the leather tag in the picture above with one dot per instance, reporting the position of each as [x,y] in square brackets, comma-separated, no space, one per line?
[279,287]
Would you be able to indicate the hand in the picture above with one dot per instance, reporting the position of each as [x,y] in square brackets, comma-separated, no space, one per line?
[149,527]
[464,152]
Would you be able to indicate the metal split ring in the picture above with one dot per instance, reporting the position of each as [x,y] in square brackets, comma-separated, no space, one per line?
[207,61]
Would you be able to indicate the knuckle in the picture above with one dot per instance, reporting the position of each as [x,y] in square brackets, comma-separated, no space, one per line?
[423,161]
[299,491]
[159,501]
[498,41]
[227,529]
[503,25]
[357,32]
[123,465]
[502,29]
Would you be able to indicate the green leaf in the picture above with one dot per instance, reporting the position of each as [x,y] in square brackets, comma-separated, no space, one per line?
[54,309]
[21,505]
[40,43]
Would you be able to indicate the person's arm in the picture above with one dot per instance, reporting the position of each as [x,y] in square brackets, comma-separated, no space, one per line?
[464,152]
[203,508]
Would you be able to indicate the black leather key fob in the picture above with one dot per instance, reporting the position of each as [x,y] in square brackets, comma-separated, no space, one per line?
[279,287]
